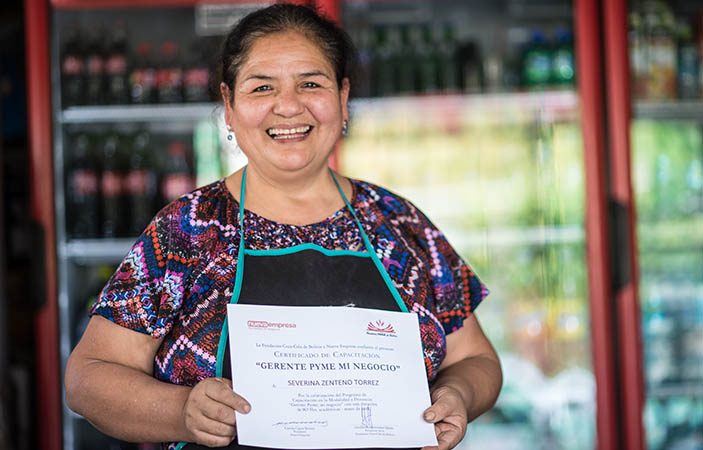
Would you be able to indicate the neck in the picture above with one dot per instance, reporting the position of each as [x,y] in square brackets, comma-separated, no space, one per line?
[294,200]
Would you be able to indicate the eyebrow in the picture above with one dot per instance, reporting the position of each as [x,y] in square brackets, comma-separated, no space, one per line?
[257,77]
[314,73]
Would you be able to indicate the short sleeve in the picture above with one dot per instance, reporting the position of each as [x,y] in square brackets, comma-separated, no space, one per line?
[456,289]
[146,291]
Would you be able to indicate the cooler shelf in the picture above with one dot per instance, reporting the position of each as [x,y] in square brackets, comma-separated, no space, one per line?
[138,113]
[669,109]
[95,251]
[677,390]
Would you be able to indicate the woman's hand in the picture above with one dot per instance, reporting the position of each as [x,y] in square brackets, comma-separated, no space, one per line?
[208,414]
[448,413]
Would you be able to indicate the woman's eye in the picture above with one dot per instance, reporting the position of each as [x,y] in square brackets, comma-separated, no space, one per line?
[262,88]
[310,84]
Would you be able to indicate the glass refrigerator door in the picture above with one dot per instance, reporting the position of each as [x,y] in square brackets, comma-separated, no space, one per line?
[134,129]
[666,58]
[484,137]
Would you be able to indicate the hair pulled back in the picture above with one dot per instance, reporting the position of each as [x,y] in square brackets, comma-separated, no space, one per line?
[333,42]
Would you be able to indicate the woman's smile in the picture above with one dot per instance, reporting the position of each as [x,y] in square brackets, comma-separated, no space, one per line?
[283,133]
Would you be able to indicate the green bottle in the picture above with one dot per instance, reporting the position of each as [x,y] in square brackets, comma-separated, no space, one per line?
[536,62]
[563,59]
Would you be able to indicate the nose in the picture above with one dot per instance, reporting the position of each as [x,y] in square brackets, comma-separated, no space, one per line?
[288,103]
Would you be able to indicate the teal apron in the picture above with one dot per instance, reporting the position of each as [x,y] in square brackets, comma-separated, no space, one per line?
[305,275]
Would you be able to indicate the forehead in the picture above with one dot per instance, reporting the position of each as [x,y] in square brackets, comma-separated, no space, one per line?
[290,49]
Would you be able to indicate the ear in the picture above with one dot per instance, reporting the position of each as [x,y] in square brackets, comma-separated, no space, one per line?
[227,99]
[344,98]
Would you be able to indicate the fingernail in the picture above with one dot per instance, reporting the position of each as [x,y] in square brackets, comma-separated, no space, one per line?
[247,408]
[429,416]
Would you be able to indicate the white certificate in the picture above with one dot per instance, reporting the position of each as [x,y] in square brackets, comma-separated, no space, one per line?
[329,377]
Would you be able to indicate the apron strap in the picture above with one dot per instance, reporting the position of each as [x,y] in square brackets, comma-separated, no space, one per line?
[239,274]
[371,250]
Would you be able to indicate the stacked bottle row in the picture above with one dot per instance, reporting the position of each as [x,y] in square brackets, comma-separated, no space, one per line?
[666,53]
[115,184]
[105,68]
[429,59]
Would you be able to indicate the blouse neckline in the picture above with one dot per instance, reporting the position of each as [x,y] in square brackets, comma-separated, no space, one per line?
[251,215]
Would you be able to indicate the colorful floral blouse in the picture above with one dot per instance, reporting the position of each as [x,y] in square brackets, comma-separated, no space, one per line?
[179,275]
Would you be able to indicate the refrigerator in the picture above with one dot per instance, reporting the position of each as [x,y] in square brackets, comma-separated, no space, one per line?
[510,123]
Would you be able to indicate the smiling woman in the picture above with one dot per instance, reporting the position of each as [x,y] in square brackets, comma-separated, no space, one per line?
[153,365]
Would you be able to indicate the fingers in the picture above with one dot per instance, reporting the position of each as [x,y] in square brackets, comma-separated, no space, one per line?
[448,437]
[209,412]
[446,402]
[220,390]
[218,412]
[211,440]
[217,428]
[448,413]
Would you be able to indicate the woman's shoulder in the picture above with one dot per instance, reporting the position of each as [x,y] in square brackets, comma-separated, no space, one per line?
[385,201]
[207,205]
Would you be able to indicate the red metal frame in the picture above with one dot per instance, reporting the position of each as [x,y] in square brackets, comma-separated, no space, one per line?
[629,333]
[48,380]
[588,53]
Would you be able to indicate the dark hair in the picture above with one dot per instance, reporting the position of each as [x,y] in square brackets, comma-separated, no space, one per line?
[334,43]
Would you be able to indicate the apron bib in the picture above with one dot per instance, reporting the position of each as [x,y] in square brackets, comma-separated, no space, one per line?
[304,275]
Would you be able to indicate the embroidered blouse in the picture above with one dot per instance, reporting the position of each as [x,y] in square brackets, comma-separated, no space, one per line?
[178,277]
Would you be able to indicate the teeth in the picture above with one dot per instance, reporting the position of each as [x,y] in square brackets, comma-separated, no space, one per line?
[285,132]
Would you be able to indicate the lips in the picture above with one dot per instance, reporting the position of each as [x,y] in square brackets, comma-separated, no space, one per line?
[289,132]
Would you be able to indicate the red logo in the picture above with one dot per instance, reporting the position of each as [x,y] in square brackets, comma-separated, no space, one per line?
[264,325]
[380,327]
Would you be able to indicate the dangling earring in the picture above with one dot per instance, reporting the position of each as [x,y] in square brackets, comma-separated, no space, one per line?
[230,134]
[345,128]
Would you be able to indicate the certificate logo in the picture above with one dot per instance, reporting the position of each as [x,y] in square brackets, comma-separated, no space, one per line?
[380,328]
[264,325]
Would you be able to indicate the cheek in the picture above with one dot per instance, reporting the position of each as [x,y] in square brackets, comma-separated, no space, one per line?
[249,114]
[326,109]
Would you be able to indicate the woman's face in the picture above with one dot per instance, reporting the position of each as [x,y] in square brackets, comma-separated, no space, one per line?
[287,110]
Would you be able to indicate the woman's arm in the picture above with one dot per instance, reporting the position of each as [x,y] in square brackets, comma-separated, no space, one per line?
[467,384]
[109,380]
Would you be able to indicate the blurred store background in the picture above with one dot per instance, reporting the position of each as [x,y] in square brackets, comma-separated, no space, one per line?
[480,112]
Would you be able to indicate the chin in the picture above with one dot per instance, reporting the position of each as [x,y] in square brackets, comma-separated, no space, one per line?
[295,164]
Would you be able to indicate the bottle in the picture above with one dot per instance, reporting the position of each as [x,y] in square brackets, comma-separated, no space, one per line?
[425,68]
[111,188]
[563,59]
[446,58]
[699,46]
[404,61]
[470,67]
[362,88]
[82,193]
[169,75]
[177,178]
[95,69]
[687,73]
[208,166]
[142,77]
[383,72]
[536,62]
[116,91]
[140,184]
[661,52]
[72,71]
[638,55]
[195,78]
